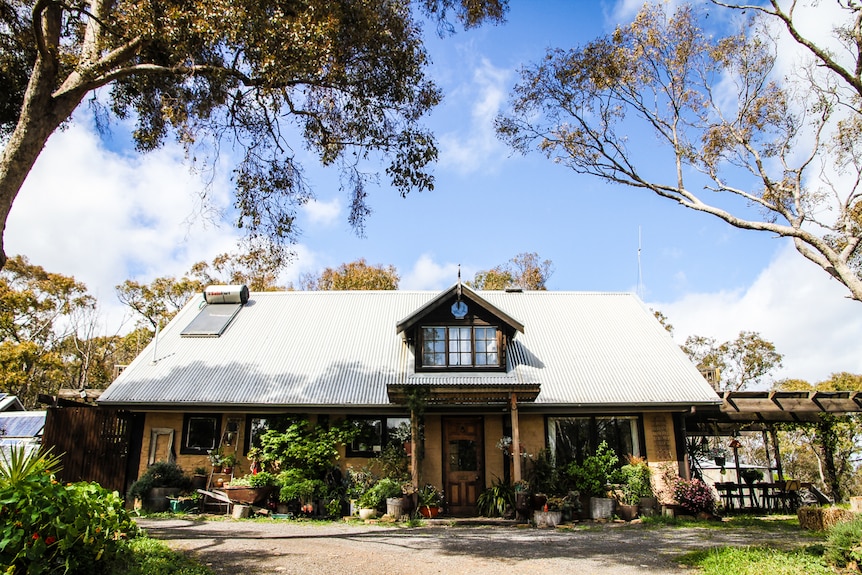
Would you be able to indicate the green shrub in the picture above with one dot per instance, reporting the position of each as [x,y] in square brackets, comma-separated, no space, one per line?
[592,476]
[844,543]
[261,479]
[160,474]
[47,527]
[636,480]
[497,500]
[297,486]
[375,498]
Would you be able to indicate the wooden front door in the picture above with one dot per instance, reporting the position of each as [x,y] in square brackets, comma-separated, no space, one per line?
[464,464]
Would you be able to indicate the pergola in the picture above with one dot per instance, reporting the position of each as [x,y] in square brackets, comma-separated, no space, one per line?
[759,411]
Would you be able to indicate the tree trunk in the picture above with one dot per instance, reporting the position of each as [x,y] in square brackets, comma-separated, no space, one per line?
[41,115]
[828,442]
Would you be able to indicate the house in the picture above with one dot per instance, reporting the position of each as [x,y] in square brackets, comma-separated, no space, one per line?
[19,427]
[499,372]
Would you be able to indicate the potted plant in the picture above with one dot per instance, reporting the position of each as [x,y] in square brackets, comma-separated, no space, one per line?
[215,458]
[522,499]
[719,455]
[252,489]
[592,478]
[636,487]
[385,492]
[199,478]
[160,481]
[430,501]
[551,513]
[227,463]
[751,475]
[297,488]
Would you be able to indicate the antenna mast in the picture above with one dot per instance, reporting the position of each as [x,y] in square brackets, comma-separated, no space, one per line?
[640,288]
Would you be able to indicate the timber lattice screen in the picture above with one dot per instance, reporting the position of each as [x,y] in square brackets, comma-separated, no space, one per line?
[93,443]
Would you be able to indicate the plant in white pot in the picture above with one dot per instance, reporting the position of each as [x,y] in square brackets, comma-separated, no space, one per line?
[592,478]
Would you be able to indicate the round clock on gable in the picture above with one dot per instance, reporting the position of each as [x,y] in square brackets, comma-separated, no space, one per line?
[459,309]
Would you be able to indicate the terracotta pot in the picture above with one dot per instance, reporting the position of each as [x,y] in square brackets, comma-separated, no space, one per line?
[627,512]
[429,512]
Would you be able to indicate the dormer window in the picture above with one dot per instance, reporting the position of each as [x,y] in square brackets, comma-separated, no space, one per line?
[460,346]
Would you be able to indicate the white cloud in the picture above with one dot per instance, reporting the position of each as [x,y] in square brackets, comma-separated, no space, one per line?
[102,217]
[322,213]
[476,146]
[429,275]
[794,304]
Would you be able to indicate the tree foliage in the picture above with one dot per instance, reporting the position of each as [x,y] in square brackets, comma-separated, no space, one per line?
[835,440]
[38,310]
[732,133]
[343,79]
[356,275]
[159,301]
[742,362]
[525,270]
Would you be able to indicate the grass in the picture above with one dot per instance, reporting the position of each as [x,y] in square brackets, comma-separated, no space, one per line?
[772,523]
[756,561]
[145,556]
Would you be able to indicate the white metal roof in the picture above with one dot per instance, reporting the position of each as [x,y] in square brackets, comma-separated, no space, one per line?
[341,348]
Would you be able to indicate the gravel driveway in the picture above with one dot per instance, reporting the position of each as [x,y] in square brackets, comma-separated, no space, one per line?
[282,547]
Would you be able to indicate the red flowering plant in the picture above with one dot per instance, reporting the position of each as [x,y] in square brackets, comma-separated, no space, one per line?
[48,527]
[694,496]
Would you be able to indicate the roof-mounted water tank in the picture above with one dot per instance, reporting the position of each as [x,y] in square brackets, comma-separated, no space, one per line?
[223,302]
[226,294]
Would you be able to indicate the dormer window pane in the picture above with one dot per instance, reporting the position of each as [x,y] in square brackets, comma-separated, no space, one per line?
[434,346]
[486,346]
[460,346]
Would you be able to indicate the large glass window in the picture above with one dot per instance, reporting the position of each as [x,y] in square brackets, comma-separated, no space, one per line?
[573,438]
[201,432]
[257,425]
[376,433]
[460,346]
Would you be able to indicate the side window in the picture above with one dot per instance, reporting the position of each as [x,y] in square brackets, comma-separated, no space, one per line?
[377,433]
[201,432]
[572,438]
[369,439]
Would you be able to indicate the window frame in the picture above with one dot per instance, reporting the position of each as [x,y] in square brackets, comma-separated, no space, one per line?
[448,350]
[185,449]
[592,429]
[386,436]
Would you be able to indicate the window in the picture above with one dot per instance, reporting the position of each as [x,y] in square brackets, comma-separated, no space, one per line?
[257,425]
[201,432]
[572,438]
[376,433]
[460,346]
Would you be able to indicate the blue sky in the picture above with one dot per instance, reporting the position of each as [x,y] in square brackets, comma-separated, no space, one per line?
[103,214]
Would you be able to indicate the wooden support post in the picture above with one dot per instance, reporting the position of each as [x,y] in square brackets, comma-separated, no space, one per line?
[414,449]
[516,441]
[775,450]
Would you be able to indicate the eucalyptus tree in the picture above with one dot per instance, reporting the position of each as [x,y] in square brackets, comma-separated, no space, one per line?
[728,133]
[342,78]
[357,275]
[37,310]
[525,270]
[742,362]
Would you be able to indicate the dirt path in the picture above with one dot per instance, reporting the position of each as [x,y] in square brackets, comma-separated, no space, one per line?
[246,547]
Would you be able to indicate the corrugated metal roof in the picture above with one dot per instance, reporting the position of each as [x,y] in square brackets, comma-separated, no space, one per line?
[341,348]
[18,424]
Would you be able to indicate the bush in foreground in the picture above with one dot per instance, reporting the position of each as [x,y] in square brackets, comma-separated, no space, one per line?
[47,527]
[844,544]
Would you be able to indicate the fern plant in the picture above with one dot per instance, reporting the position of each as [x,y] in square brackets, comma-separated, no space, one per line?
[498,500]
